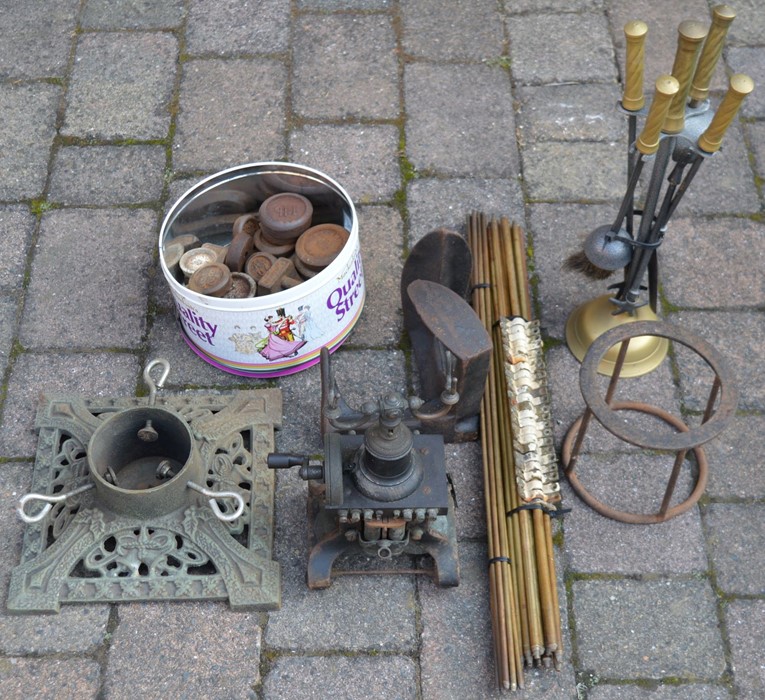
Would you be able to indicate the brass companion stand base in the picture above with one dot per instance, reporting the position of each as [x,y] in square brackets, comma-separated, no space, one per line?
[593,318]
[720,408]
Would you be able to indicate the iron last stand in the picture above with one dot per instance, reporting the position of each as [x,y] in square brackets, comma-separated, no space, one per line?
[382,487]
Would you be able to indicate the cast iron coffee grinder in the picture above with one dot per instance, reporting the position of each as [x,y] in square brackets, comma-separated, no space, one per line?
[382,486]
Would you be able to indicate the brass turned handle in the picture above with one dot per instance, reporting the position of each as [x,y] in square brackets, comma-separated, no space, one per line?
[634,34]
[722,16]
[740,86]
[690,34]
[666,88]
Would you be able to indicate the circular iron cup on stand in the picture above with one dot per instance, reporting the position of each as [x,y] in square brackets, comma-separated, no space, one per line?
[606,412]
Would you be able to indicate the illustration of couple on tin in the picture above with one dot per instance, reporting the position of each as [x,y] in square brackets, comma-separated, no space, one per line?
[286,335]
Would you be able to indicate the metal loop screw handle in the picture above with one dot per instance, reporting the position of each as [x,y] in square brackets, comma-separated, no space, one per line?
[159,362]
[49,502]
[148,433]
[213,495]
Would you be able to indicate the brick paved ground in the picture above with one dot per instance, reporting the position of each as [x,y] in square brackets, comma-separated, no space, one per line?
[424,110]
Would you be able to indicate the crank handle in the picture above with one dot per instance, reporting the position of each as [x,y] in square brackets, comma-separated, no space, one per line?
[49,502]
[213,503]
[286,460]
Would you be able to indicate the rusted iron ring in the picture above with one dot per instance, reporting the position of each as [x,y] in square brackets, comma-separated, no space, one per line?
[677,441]
[626,516]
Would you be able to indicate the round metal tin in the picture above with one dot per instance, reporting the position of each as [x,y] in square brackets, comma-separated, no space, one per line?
[281,333]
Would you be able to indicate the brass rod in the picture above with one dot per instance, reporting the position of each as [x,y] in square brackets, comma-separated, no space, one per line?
[548,615]
[494,525]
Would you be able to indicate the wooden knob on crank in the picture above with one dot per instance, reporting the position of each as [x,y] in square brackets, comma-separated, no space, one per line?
[634,34]
[740,86]
[722,16]
[666,88]
[690,34]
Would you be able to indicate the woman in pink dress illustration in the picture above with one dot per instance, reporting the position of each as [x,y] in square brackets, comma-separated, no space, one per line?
[282,341]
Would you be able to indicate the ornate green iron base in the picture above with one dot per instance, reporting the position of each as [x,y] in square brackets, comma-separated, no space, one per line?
[83,552]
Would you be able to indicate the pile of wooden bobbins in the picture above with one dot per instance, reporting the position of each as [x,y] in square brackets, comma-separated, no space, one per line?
[273,249]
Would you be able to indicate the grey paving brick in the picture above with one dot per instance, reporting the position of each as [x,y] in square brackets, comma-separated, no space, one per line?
[144,14]
[27,131]
[104,175]
[724,184]
[231,112]
[232,27]
[686,691]
[737,547]
[648,629]
[342,677]
[442,31]
[49,678]
[8,324]
[756,136]
[558,231]
[344,4]
[570,113]
[675,546]
[100,374]
[442,133]
[221,651]
[381,234]
[95,261]
[37,38]
[457,654]
[362,158]
[544,48]
[344,66]
[735,468]
[524,6]
[433,203]
[465,466]
[707,284]
[593,171]
[474,134]
[749,60]
[17,224]
[76,629]
[744,620]
[121,86]
[747,27]
[661,40]
[739,337]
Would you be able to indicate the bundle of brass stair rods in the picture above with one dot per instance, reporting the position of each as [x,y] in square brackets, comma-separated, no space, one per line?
[523,595]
